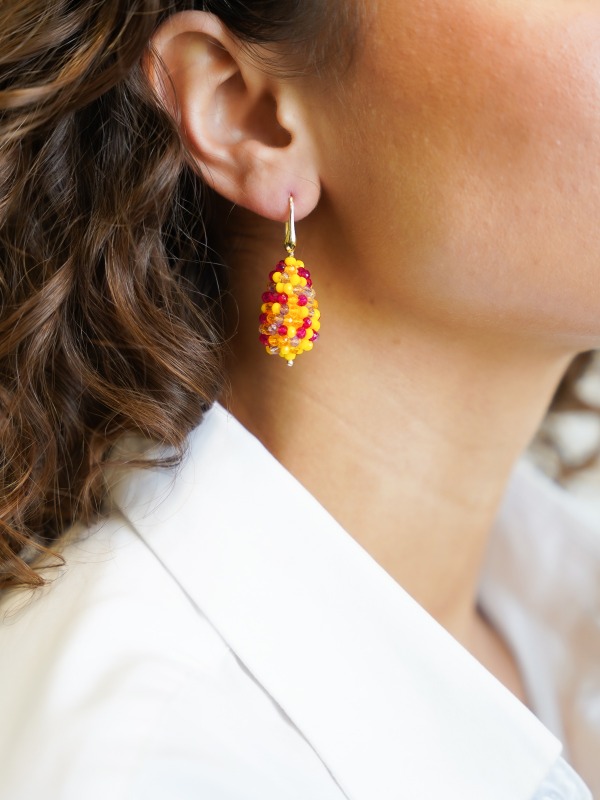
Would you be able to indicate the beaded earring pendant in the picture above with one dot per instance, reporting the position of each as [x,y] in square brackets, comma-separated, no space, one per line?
[290,316]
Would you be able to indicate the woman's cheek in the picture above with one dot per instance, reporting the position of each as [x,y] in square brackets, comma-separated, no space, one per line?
[486,121]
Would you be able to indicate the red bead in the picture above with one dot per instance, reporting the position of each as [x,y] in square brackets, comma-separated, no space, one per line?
[302,299]
[263,338]
[308,282]
[301,333]
[307,322]
[314,337]
[282,330]
[281,266]
[273,271]
[281,298]
[263,318]
[266,298]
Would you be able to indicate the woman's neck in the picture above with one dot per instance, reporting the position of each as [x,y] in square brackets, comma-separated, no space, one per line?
[406,434]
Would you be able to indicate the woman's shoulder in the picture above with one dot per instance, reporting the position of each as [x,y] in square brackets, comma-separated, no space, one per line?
[90,662]
[117,681]
[106,574]
[119,654]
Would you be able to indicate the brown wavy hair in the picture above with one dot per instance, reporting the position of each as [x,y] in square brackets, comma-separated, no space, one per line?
[111,313]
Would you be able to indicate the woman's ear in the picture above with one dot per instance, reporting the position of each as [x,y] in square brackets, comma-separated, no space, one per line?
[245,129]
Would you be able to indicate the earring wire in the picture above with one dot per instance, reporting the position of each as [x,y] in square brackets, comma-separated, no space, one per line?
[290,230]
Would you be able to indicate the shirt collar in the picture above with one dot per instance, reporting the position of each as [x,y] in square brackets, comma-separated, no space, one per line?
[393,705]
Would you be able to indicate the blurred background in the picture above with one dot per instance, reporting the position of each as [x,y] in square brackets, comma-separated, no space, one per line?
[567,445]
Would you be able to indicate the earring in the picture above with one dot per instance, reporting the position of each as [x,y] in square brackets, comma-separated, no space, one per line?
[290,316]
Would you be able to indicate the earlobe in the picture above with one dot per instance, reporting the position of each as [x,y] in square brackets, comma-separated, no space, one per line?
[229,113]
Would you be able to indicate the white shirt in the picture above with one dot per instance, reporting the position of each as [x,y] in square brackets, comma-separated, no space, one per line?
[222,637]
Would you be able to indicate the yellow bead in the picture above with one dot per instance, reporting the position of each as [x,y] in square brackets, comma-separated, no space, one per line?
[299,263]
[307,346]
[290,261]
[279,287]
[288,288]
[317,314]
[276,277]
[303,311]
[284,351]
[264,308]
[309,333]
[316,324]
[291,331]
[293,300]
[303,282]
[316,303]
[268,351]
[276,308]
[294,280]
[291,269]
[272,341]
[291,356]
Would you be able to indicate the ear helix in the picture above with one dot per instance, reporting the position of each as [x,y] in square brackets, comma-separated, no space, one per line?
[290,316]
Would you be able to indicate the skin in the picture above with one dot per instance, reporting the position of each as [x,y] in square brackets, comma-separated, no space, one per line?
[450,185]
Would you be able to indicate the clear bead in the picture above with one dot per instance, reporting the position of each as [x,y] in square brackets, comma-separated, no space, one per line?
[273,350]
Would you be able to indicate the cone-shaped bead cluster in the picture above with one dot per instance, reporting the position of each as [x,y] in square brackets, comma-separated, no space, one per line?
[290,316]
